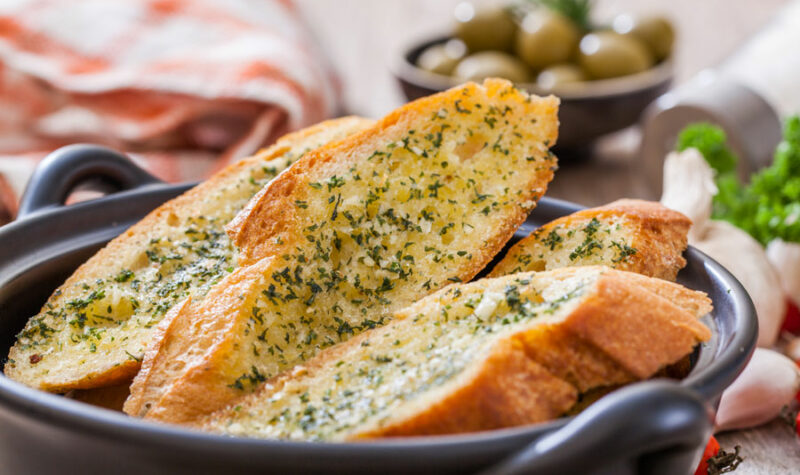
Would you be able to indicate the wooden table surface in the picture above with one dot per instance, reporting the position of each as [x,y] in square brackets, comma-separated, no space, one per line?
[361,38]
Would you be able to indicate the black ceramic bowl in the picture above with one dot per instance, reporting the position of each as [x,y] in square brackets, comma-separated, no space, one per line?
[588,110]
[652,427]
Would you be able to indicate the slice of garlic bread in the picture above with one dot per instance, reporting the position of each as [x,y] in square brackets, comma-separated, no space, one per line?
[469,358]
[633,235]
[350,233]
[93,330]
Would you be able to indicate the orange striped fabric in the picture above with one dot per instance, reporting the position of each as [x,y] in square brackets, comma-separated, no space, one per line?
[187,85]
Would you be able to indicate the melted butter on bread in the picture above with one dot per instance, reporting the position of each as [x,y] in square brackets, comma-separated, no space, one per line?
[454,363]
[94,329]
[351,232]
[633,235]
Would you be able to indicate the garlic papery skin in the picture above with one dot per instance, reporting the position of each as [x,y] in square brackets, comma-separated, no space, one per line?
[793,349]
[785,257]
[768,383]
[689,188]
[746,259]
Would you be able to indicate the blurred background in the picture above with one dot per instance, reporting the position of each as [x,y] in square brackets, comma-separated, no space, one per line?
[360,36]
[185,86]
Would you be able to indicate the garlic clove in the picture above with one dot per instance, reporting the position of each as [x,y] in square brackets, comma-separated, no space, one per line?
[744,257]
[785,257]
[793,349]
[689,188]
[768,383]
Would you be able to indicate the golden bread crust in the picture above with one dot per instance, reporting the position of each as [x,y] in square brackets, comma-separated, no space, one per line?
[273,214]
[157,392]
[144,380]
[327,278]
[510,389]
[605,339]
[613,322]
[658,237]
[103,361]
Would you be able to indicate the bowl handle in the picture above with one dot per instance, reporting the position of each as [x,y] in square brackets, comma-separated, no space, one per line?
[654,427]
[60,172]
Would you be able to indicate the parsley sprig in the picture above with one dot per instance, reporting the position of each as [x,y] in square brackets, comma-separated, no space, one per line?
[768,207]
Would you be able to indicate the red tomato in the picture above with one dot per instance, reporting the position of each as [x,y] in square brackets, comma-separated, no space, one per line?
[712,448]
[792,321]
[797,424]
[797,397]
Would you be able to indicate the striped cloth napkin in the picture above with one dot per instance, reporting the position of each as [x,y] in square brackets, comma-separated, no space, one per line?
[184,86]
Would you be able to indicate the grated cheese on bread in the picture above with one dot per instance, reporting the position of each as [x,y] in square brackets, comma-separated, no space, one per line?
[350,233]
[634,235]
[94,329]
[494,353]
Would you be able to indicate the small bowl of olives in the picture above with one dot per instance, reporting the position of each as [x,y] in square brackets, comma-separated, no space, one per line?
[605,75]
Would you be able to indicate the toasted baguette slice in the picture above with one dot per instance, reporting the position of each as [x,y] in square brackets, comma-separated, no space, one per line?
[93,330]
[469,358]
[352,232]
[633,235]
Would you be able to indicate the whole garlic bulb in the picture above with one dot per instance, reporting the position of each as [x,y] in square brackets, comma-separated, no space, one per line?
[689,188]
[768,383]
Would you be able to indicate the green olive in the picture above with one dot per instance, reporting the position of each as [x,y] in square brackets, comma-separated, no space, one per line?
[478,66]
[442,58]
[655,32]
[546,38]
[605,54]
[559,74]
[484,27]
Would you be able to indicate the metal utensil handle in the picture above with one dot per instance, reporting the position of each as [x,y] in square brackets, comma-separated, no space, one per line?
[60,172]
[655,427]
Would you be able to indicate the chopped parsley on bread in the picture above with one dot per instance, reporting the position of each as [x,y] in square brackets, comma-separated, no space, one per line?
[494,353]
[94,329]
[317,291]
[633,235]
[350,233]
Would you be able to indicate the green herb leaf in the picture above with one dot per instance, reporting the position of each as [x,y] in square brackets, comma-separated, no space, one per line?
[769,206]
[711,142]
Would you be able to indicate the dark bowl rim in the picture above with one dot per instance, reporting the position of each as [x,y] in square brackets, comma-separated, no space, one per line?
[658,75]
[75,415]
